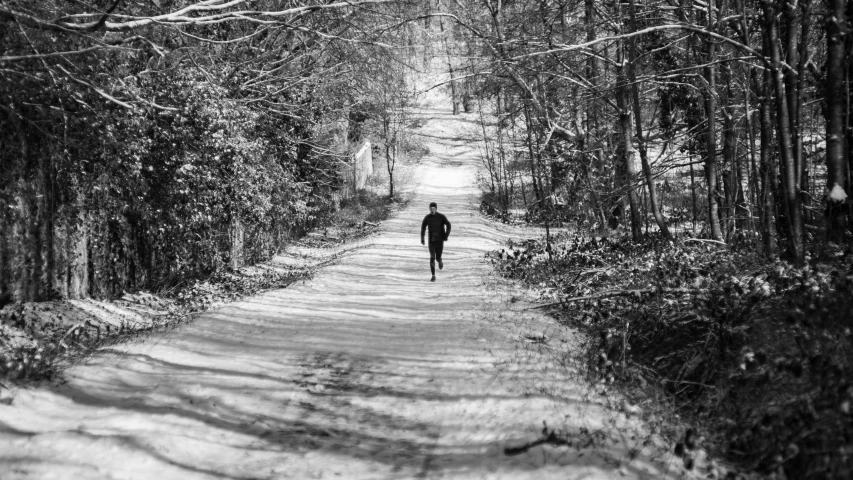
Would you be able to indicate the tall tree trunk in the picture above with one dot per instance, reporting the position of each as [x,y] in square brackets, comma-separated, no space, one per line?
[792,97]
[454,96]
[390,163]
[593,71]
[836,150]
[390,155]
[740,170]
[529,127]
[589,24]
[799,150]
[753,162]
[693,194]
[751,86]
[626,147]
[711,133]
[638,127]
[766,169]
[794,207]
[731,185]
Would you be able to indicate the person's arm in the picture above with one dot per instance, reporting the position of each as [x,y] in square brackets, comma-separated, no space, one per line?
[447,231]
[423,229]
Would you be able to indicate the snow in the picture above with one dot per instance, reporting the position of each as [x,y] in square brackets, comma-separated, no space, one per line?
[837,194]
[367,370]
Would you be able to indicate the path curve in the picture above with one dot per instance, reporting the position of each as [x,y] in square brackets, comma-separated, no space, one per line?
[367,370]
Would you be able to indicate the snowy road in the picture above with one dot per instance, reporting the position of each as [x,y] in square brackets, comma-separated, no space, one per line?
[367,370]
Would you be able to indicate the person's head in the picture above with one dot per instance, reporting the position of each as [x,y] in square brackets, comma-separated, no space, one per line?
[433,207]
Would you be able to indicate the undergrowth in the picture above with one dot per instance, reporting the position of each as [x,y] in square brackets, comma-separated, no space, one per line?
[38,340]
[356,217]
[756,355]
[364,206]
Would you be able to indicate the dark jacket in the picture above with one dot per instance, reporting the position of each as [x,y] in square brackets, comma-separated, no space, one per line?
[436,223]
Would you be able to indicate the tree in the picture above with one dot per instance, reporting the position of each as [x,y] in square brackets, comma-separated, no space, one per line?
[837,151]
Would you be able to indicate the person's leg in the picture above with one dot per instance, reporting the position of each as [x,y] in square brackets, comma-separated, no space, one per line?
[432,258]
[439,247]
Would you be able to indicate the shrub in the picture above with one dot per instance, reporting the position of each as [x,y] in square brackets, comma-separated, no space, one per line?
[758,354]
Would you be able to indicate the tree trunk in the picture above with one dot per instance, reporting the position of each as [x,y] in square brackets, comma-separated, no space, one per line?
[390,154]
[836,150]
[592,118]
[454,97]
[528,127]
[751,85]
[638,127]
[731,185]
[237,240]
[693,193]
[589,24]
[766,170]
[799,150]
[390,159]
[711,135]
[626,147]
[753,162]
[794,207]
[792,97]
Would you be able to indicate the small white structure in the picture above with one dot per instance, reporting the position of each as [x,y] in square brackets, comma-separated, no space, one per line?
[362,165]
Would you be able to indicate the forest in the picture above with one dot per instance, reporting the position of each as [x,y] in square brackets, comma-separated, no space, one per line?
[699,155]
[692,158]
[615,98]
[148,142]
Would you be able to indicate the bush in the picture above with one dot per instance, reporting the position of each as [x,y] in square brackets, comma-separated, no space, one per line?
[758,354]
[156,196]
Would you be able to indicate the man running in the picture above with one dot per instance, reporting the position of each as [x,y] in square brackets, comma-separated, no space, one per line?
[437,236]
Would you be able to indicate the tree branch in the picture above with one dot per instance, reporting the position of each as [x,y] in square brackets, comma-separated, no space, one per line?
[36,56]
[100,92]
[674,26]
[178,17]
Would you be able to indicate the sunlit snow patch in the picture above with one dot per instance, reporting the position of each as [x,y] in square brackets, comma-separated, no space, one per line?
[837,194]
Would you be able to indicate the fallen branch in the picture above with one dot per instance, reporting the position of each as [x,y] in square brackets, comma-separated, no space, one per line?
[706,240]
[74,327]
[621,293]
[551,437]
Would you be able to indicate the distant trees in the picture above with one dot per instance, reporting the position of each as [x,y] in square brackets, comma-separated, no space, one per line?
[387,95]
[637,91]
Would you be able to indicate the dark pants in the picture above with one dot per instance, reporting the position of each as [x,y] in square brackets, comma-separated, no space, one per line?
[435,248]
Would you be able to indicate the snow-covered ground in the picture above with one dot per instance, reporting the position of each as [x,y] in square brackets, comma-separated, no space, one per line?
[367,370]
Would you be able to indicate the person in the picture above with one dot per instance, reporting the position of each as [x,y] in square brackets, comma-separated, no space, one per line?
[437,236]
